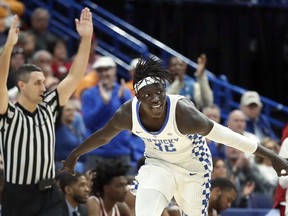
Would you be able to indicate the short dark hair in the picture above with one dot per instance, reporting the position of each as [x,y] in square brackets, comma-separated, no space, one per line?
[151,67]
[24,71]
[105,172]
[223,184]
[66,179]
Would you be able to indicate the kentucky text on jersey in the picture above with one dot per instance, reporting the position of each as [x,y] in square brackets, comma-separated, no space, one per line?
[163,144]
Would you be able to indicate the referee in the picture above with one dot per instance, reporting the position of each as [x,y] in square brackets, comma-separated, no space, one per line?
[27,128]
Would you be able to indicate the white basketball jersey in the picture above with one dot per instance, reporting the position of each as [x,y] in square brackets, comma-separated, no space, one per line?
[168,143]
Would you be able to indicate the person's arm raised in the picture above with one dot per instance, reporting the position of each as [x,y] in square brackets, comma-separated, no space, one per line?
[84,28]
[121,120]
[5,63]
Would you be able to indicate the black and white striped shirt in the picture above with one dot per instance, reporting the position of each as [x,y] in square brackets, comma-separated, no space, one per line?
[28,141]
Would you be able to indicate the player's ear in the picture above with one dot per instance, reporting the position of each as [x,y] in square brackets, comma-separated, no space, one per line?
[137,95]
[216,191]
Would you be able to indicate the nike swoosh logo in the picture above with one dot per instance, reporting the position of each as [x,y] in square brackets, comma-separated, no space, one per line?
[192,174]
[138,132]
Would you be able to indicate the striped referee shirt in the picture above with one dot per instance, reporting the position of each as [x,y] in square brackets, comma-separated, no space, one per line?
[28,141]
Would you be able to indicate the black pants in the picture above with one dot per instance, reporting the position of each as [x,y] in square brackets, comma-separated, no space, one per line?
[27,200]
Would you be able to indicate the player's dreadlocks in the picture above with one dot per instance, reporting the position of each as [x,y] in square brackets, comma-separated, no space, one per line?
[105,172]
[150,67]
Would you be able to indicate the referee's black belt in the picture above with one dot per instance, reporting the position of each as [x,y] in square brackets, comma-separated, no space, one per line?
[42,185]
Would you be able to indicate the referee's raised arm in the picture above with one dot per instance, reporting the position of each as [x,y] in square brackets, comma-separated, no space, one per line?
[5,63]
[84,28]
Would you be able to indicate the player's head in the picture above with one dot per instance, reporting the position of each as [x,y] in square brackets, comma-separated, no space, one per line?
[148,72]
[223,193]
[110,181]
[149,84]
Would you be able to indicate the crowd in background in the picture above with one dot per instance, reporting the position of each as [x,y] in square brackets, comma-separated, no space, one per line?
[103,176]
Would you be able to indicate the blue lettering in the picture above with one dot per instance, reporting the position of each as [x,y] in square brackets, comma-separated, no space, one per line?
[158,146]
[165,145]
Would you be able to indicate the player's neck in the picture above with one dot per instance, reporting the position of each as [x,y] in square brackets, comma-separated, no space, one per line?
[151,123]
[108,204]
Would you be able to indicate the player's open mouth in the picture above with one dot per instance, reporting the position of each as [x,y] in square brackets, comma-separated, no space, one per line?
[156,107]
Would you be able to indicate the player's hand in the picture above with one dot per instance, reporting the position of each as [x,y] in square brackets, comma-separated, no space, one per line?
[84,26]
[13,32]
[280,165]
[69,164]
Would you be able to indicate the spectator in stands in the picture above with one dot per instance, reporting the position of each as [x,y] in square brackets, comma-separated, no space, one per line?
[257,123]
[212,112]
[265,165]
[76,193]
[223,193]
[14,6]
[109,190]
[217,150]
[264,199]
[245,176]
[43,59]
[70,132]
[91,79]
[99,103]
[237,122]
[39,28]
[28,43]
[219,169]
[199,92]
[17,59]
[60,62]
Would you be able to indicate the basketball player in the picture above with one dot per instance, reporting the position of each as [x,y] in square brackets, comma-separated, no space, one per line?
[178,162]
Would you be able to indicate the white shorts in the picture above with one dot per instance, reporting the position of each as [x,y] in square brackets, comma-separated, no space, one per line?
[188,182]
